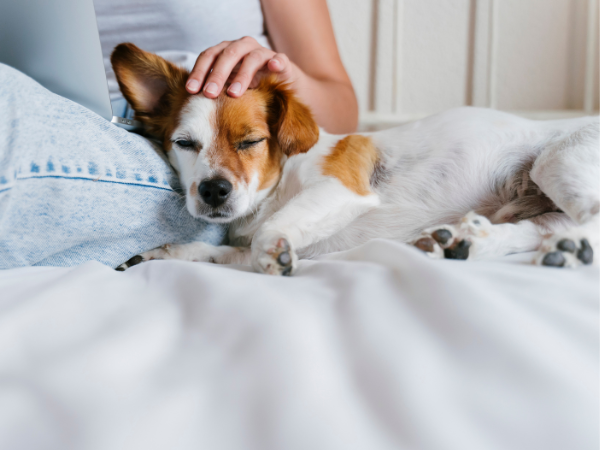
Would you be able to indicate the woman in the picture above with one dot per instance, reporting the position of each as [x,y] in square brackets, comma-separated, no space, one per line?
[75,188]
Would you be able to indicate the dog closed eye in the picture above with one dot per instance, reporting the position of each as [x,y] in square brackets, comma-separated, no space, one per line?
[248,143]
[187,144]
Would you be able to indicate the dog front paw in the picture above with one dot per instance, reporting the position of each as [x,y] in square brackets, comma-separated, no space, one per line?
[274,257]
[564,251]
[157,253]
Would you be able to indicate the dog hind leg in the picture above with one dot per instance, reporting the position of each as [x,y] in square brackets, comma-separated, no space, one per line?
[475,237]
[568,172]
[571,248]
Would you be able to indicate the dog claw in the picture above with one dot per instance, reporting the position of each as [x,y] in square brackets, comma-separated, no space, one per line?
[133,261]
[434,242]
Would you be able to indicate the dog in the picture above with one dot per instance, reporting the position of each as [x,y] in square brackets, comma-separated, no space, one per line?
[469,183]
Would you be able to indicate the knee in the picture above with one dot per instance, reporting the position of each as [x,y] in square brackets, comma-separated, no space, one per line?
[8,74]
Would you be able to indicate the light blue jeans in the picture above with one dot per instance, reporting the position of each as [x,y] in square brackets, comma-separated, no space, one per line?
[74,187]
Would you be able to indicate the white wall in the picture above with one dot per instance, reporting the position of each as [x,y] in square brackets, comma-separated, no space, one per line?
[409,58]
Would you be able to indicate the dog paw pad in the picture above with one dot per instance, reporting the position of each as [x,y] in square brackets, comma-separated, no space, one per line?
[554,259]
[585,254]
[426,244]
[459,250]
[435,240]
[566,245]
[284,258]
[565,252]
[442,236]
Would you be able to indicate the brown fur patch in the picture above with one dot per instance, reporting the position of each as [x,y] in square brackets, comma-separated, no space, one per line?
[352,161]
[289,119]
[245,119]
[154,87]
[270,111]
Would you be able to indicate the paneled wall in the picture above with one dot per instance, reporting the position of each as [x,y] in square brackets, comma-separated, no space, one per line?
[410,58]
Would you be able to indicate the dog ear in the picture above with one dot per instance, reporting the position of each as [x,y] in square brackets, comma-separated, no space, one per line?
[289,119]
[147,81]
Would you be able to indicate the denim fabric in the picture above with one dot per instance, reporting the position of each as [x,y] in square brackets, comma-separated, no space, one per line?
[74,187]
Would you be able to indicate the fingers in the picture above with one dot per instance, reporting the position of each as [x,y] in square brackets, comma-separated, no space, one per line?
[239,61]
[225,63]
[281,65]
[252,63]
[202,67]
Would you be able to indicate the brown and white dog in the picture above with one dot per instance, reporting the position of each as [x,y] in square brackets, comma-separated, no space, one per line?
[289,190]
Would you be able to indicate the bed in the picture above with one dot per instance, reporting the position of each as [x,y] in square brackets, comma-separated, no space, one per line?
[378,347]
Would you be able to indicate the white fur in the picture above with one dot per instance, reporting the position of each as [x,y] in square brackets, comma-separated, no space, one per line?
[433,172]
[196,124]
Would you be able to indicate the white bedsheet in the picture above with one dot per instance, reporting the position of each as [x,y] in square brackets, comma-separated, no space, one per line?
[375,348]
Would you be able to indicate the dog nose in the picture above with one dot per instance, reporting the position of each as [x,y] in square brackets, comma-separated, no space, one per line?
[214,192]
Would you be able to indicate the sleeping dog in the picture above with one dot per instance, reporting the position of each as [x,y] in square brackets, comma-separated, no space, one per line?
[468,183]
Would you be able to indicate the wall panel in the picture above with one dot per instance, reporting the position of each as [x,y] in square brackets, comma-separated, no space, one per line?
[409,58]
[353,25]
[534,54]
[435,49]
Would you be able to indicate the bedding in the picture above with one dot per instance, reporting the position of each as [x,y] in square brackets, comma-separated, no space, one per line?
[378,347]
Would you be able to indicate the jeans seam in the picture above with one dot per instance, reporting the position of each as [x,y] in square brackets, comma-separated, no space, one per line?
[93,180]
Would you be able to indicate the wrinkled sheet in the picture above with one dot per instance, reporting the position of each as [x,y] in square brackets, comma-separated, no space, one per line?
[375,348]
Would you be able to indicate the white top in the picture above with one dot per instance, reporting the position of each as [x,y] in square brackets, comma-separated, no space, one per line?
[175,29]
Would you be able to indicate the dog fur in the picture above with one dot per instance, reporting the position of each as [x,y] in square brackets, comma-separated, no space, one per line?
[469,183]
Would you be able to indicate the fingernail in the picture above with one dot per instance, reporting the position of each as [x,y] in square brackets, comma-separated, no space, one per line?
[276,64]
[193,85]
[235,88]
[211,88]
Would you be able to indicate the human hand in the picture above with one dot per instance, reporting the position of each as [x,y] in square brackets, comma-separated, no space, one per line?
[243,62]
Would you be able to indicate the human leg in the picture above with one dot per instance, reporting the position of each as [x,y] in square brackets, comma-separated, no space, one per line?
[74,187]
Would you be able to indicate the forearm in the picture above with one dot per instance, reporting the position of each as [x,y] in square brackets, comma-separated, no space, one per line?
[302,30]
[333,103]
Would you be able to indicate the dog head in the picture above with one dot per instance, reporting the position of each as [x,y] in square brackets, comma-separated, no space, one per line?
[228,152]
